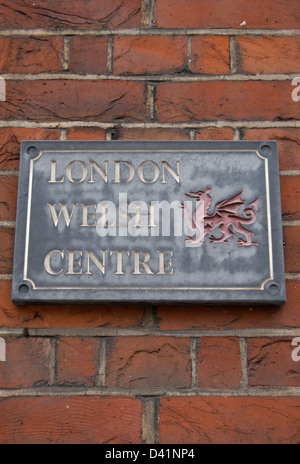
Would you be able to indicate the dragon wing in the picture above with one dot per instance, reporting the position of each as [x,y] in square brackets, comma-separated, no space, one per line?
[229,205]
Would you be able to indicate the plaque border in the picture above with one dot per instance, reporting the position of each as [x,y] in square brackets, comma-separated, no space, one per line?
[271,290]
[31,173]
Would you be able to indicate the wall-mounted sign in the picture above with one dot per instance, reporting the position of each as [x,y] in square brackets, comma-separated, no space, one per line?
[149,221]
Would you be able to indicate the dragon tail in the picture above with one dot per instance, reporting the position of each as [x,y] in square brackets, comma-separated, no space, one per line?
[250,212]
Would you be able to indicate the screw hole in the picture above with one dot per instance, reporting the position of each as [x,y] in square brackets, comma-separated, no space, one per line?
[23,289]
[266,150]
[32,151]
[273,289]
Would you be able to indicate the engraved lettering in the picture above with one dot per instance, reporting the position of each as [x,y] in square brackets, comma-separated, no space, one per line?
[70,174]
[93,257]
[97,168]
[138,261]
[167,167]
[64,210]
[47,262]
[131,175]
[53,179]
[86,214]
[155,174]
[88,262]
[148,171]
[163,262]
[73,263]
[119,260]
[138,224]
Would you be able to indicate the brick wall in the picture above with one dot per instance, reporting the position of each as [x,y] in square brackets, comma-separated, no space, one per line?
[146,69]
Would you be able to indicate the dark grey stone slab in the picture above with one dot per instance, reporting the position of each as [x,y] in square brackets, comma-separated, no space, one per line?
[86,232]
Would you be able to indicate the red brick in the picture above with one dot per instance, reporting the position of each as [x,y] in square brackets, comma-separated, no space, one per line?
[8,195]
[152,134]
[219,362]
[269,14]
[73,420]
[210,55]
[11,138]
[215,133]
[189,317]
[78,361]
[86,133]
[149,54]
[7,237]
[290,197]
[74,100]
[254,100]
[229,420]
[74,14]
[267,55]
[88,55]
[148,361]
[288,144]
[291,237]
[43,315]
[27,363]
[31,55]
[270,363]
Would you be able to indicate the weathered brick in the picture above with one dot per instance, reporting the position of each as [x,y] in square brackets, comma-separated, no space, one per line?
[8,195]
[47,316]
[152,134]
[149,54]
[11,138]
[88,55]
[254,100]
[210,55]
[270,363]
[27,363]
[288,144]
[269,14]
[7,237]
[291,237]
[215,133]
[73,100]
[31,55]
[267,55]
[290,197]
[219,362]
[78,361]
[86,133]
[187,317]
[73,420]
[93,14]
[148,361]
[229,420]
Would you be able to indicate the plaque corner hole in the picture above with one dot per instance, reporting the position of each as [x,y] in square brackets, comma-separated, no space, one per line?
[274,289]
[23,289]
[32,150]
[266,150]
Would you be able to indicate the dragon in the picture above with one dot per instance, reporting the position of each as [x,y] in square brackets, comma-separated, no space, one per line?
[225,216]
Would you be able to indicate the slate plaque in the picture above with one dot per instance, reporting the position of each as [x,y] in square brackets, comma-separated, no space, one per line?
[149,221]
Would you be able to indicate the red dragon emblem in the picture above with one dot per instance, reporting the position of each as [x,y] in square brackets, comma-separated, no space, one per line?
[227,217]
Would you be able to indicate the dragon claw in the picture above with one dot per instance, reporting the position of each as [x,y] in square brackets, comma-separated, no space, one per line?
[242,242]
